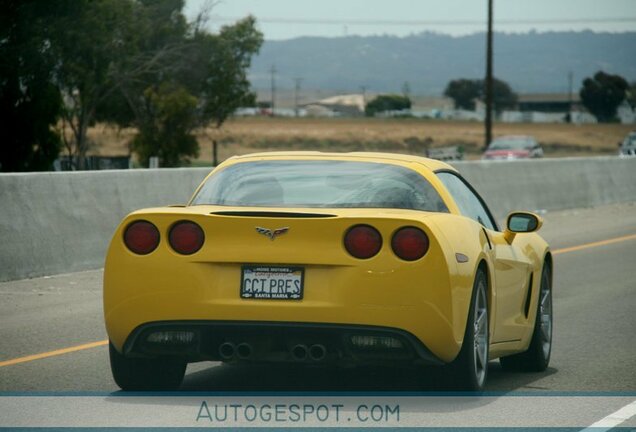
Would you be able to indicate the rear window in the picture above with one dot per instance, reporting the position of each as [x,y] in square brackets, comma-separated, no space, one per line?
[330,184]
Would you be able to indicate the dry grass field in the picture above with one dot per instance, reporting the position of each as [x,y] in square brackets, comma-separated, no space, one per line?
[246,135]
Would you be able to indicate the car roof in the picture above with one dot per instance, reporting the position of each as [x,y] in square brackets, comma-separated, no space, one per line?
[431,164]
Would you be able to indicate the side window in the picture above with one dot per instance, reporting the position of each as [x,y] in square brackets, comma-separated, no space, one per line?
[469,204]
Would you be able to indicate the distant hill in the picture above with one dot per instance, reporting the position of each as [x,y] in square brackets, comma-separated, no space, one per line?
[531,62]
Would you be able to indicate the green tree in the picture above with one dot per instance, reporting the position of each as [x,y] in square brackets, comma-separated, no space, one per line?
[389,102]
[602,94]
[502,95]
[210,68]
[224,60]
[30,104]
[168,131]
[155,37]
[147,78]
[90,41]
[464,92]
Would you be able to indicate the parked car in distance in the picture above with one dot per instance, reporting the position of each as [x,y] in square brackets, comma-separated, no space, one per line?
[627,147]
[513,147]
[448,153]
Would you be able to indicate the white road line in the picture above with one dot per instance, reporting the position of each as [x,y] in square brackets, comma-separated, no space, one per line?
[614,419]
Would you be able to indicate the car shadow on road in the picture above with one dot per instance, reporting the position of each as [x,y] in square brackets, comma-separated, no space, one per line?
[500,380]
[245,383]
[298,378]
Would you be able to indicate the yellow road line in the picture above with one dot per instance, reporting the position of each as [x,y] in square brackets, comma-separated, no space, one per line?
[594,244]
[53,353]
[105,342]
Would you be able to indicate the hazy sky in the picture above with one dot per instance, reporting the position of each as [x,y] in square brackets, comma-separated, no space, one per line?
[285,19]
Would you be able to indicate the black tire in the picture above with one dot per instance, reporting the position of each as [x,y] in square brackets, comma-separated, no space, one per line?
[142,374]
[470,369]
[537,357]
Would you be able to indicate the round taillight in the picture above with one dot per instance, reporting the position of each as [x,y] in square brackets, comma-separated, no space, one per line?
[141,237]
[363,241]
[186,237]
[409,243]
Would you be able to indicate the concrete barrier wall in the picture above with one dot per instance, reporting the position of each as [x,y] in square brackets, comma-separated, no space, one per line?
[62,222]
[552,184]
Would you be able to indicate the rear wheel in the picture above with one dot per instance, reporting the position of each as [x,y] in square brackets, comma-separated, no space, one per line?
[470,369]
[537,357]
[143,374]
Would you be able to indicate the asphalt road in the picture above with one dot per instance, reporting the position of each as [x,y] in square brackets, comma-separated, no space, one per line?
[594,340]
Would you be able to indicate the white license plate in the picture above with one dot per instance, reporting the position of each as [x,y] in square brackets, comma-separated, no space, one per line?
[272,282]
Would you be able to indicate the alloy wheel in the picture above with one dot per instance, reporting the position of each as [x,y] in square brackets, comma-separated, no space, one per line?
[480,326]
[545,313]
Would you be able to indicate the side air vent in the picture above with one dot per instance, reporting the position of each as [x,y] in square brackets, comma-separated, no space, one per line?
[267,214]
[527,308]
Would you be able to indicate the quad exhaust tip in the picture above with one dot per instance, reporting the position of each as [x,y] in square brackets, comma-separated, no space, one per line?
[244,351]
[299,352]
[227,350]
[317,352]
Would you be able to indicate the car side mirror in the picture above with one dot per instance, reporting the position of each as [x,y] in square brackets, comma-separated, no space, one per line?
[521,222]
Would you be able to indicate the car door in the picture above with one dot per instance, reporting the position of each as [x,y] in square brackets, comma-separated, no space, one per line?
[512,273]
[511,267]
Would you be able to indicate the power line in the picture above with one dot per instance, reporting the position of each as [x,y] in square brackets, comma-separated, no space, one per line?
[354,22]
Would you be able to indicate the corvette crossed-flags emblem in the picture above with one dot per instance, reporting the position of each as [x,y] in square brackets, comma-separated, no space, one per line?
[272,234]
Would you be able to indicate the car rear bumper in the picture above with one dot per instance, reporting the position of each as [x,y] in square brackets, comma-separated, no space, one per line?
[334,344]
[428,298]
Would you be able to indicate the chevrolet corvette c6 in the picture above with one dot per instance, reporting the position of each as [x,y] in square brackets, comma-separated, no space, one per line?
[334,259]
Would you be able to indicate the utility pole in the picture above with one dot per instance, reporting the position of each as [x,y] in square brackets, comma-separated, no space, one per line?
[297,82]
[570,85]
[489,77]
[273,71]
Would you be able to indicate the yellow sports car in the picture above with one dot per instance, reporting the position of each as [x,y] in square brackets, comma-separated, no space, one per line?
[327,258]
